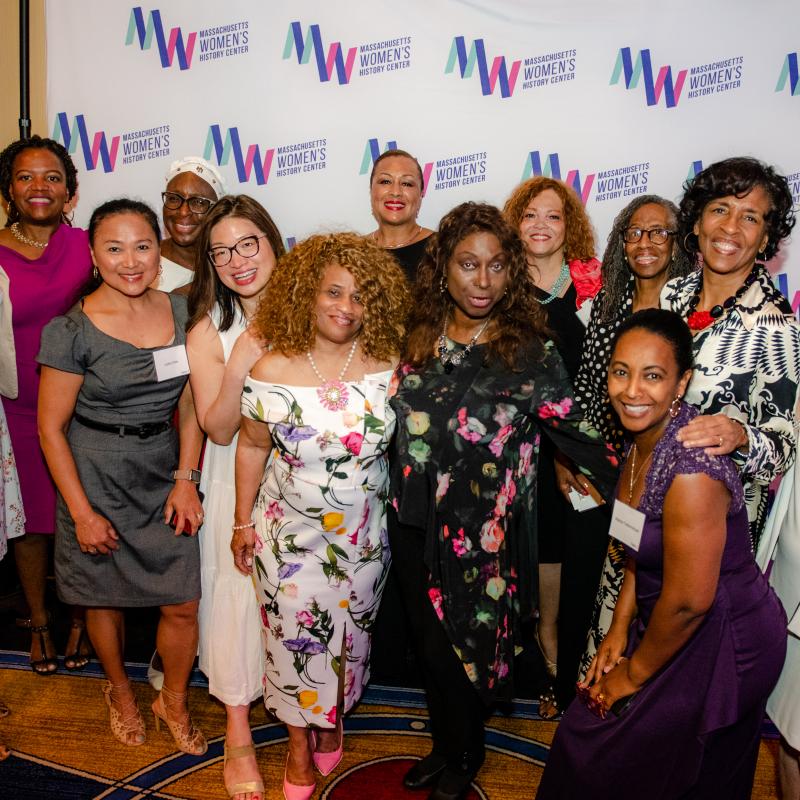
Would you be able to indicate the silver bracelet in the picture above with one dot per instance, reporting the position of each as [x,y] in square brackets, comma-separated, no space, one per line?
[250,524]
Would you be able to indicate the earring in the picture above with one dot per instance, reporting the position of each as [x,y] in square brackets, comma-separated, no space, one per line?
[675,407]
[160,269]
[96,273]
[442,285]
[762,256]
[686,246]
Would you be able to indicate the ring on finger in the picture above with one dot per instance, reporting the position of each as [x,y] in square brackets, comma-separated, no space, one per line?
[720,441]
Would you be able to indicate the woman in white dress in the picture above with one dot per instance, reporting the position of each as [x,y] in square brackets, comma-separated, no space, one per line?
[239,246]
[313,532]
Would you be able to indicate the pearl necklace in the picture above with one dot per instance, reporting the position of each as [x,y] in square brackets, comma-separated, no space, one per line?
[333,394]
[555,289]
[21,237]
[397,246]
[453,358]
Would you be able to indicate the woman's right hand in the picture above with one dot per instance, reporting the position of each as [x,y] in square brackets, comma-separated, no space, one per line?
[242,545]
[95,534]
[608,655]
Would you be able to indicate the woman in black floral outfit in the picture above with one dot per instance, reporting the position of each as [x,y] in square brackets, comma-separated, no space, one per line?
[478,384]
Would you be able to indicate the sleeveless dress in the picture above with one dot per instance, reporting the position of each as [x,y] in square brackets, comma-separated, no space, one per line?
[126,478]
[321,551]
[231,649]
[712,690]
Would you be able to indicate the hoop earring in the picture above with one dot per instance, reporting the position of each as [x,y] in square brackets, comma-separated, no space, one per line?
[762,256]
[160,269]
[686,246]
[675,407]
[442,285]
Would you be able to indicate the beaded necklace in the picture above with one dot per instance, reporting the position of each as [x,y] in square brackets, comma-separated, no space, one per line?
[699,320]
[555,289]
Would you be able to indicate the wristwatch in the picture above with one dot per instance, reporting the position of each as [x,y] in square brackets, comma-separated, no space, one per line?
[192,475]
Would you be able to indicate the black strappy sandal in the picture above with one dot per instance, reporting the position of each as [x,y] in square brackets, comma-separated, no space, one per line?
[46,665]
[82,654]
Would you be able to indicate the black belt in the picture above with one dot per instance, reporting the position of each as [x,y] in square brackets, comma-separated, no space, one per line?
[144,431]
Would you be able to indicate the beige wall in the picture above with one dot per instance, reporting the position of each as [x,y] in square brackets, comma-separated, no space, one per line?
[9,72]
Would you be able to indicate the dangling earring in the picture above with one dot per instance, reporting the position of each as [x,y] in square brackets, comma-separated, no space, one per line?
[442,285]
[96,273]
[675,407]
[762,256]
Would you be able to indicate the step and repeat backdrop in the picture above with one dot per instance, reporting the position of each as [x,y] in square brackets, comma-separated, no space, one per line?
[294,100]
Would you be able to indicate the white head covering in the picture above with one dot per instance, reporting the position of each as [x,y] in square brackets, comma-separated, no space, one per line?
[200,167]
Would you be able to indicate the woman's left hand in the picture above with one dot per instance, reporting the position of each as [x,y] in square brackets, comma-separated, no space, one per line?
[717,434]
[185,503]
[611,686]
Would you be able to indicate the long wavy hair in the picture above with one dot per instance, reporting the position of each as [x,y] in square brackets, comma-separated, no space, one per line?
[207,289]
[737,177]
[286,314]
[578,234]
[520,321]
[616,270]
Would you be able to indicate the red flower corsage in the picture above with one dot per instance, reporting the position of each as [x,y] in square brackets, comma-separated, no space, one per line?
[587,279]
[698,320]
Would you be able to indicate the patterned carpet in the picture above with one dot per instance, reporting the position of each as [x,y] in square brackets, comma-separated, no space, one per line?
[62,747]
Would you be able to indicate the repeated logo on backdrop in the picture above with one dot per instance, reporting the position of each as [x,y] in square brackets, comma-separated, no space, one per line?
[789,75]
[703,79]
[221,41]
[537,71]
[372,150]
[551,168]
[374,58]
[250,161]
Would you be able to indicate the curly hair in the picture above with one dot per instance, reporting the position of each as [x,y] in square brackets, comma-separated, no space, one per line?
[578,233]
[520,320]
[404,154]
[207,289]
[737,177]
[286,314]
[615,269]
[9,155]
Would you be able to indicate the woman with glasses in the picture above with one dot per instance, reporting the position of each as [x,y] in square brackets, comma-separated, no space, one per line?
[193,186]
[642,254]
[559,250]
[240,244]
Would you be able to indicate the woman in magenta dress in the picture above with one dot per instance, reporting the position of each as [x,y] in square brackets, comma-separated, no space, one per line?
[47,262]
[675,696]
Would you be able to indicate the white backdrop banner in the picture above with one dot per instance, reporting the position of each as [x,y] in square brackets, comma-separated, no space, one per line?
[294,100]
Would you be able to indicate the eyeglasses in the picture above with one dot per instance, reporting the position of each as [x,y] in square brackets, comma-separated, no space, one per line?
[247,248]
[197,205]
[656,235]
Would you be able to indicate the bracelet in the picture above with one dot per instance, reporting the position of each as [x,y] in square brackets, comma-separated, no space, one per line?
[250,524]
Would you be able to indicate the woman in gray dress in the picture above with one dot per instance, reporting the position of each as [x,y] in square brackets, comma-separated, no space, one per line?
[114,371]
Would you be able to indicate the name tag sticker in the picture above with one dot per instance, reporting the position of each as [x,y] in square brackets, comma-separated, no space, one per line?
[627,525]
[171,362]
[794,623]
[584,312]
[582,502]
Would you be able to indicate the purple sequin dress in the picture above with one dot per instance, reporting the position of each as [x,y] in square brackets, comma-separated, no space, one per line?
[692,731]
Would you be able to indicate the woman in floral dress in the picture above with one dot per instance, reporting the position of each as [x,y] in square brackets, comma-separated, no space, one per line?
[479,383]
[313,532]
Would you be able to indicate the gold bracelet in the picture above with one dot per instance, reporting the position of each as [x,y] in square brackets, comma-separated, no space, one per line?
[250,524]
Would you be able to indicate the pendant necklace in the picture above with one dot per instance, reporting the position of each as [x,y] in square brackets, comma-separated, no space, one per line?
[17,233]
[396,246]
[453,358]
[333,394]
[636,474]
[555,289]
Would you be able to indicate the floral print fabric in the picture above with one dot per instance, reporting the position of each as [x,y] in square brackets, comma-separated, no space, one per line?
[321,550]
[465,472]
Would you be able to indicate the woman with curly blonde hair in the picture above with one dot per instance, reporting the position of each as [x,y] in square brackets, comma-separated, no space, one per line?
[560,252]
[313,530]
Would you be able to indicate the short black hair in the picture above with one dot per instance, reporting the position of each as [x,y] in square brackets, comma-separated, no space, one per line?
[669,326]
[123,205]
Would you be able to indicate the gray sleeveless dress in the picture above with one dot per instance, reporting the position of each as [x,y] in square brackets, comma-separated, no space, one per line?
[126,478]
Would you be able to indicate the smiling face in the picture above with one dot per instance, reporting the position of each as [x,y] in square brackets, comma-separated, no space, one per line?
[643,380]
[39,186]
[646,259]
[125,252]
[732,230]
[338,310]
[477,274]
[182,224]
[543,227]
[246,276]
[396,191]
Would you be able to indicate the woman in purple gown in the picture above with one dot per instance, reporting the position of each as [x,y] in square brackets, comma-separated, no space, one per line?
[673,701]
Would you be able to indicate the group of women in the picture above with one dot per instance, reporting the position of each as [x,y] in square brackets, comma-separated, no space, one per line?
[422,398]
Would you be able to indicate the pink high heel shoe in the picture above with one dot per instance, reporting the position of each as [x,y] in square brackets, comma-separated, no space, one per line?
[293,792]
[327,762]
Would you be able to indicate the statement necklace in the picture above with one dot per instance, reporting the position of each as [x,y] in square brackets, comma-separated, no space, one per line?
[333,394]
[698,320]
[635,475]
[555,289]
[17,233]
[453,358]
[397,246]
